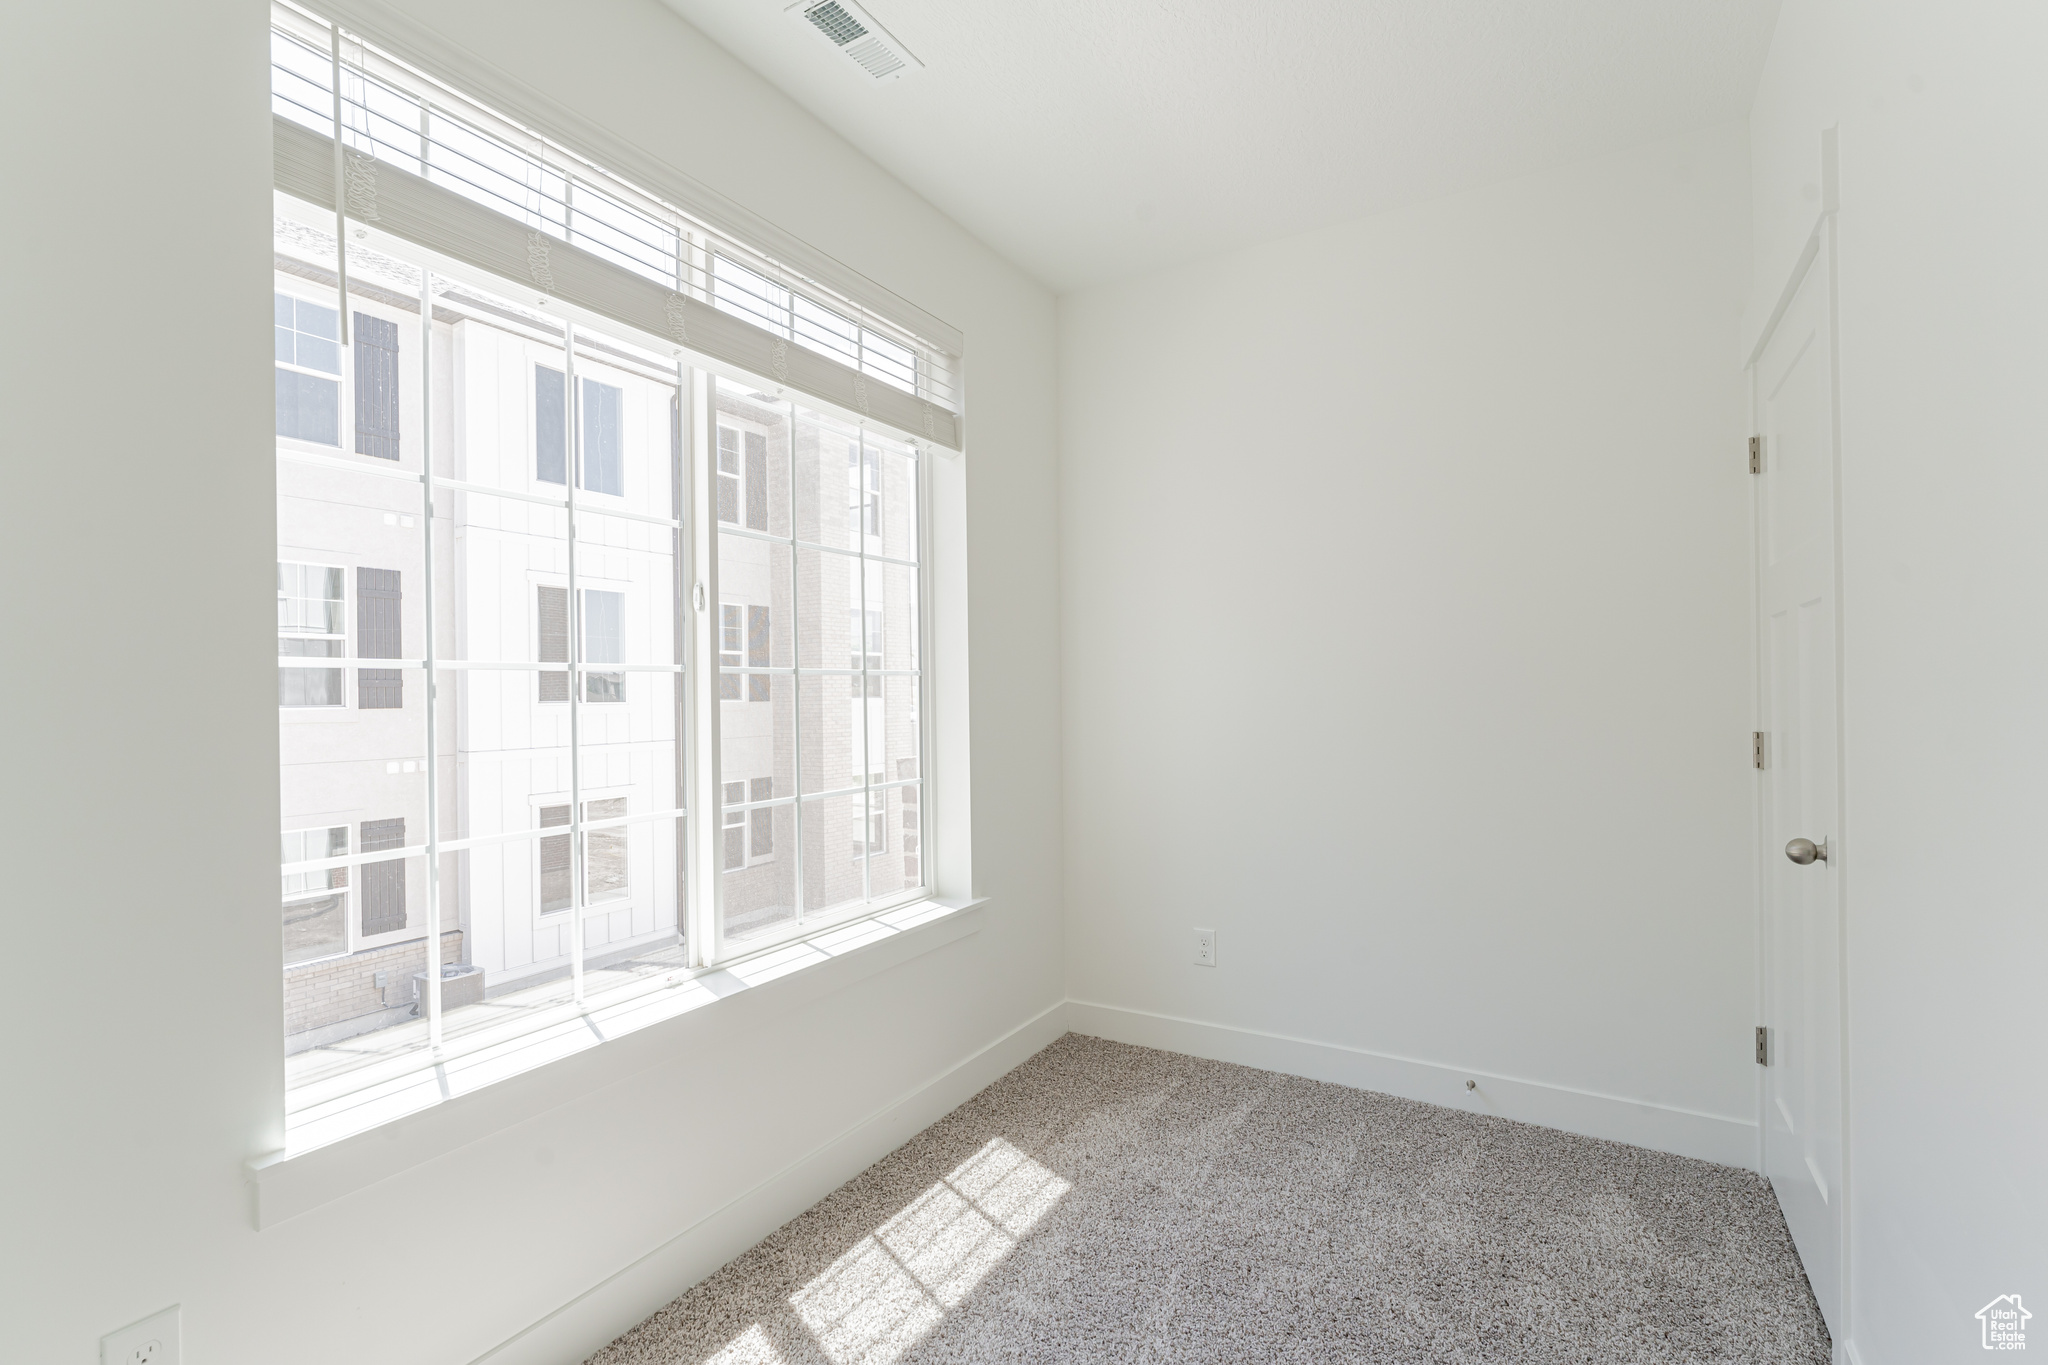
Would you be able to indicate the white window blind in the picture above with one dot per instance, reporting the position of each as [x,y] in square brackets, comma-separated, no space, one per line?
[426,163]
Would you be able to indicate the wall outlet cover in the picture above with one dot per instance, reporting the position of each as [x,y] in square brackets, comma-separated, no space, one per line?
[1205,947]
[153,1341]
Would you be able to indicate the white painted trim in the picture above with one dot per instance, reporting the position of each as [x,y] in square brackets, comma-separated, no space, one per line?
[1661,1127]
[641,1287]
[1846,1352]
[283,1186]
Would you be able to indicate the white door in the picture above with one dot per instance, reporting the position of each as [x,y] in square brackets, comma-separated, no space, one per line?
[1794,378]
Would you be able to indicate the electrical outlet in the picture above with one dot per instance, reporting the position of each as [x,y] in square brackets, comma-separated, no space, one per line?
[153,1341]
[1205,947]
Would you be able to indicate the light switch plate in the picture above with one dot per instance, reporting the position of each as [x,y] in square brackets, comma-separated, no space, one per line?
[153,1341]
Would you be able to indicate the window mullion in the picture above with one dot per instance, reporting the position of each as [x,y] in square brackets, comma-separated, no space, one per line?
[861,642]
[708,894]
[573,457]
[796,637]
[433,1000]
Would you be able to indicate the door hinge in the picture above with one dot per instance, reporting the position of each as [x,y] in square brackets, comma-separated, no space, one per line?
[1756,454]
[1763,1046]
[1759,749]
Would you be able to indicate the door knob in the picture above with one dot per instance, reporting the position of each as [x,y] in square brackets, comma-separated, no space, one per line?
[1804,851]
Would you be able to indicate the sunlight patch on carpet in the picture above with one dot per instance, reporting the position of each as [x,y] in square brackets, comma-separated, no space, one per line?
[895,1285]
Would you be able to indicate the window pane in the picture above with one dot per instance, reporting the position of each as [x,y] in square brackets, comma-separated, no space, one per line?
[315,927]
[828,586]
[834,866]
[893,729]
[895,478]
[605,854]
[604,632]
[550,429]
[759,890]
[892,589]
[897,864]
[835,753]
[829,489]
[308,408]
[604,438]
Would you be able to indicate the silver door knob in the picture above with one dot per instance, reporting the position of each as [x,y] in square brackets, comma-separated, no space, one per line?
[1804,851]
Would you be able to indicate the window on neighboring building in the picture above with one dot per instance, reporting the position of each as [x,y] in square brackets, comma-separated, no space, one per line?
[604,439]
[604,642]
[315,901]
[743,478]
[383,889]
[378,602]
[550,428]
[605,856]
[748,835]
[604,433]
[733,835]
[308,339]
[310,621]
[759,649]
[731,644]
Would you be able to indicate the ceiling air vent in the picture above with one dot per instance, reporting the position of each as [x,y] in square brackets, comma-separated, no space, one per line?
[854,31]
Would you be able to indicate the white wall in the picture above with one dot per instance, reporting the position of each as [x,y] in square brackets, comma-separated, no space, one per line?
[1405,577]
[1943,120]
[144,1055]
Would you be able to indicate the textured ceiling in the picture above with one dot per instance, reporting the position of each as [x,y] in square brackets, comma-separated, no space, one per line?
[1089,139]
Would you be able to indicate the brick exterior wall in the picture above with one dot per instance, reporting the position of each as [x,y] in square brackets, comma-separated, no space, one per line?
[323,993]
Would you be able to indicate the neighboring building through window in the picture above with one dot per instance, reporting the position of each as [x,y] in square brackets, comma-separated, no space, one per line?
[310,624]
[316,902]
[731,647]
[308,346]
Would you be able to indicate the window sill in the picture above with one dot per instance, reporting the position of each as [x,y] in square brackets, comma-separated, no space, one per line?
[430,1104]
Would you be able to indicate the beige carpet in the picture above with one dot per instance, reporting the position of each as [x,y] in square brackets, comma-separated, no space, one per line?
[1111,1203]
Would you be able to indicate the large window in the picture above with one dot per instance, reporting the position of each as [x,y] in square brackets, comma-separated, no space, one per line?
[554,579]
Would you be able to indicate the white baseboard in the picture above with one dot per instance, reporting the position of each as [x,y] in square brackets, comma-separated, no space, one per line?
[630,1294]
[1663,1128]
[627,1296]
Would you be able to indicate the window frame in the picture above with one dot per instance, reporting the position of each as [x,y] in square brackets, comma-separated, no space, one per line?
[697,528]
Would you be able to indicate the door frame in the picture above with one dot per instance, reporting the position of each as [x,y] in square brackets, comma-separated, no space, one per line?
[1823,234]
